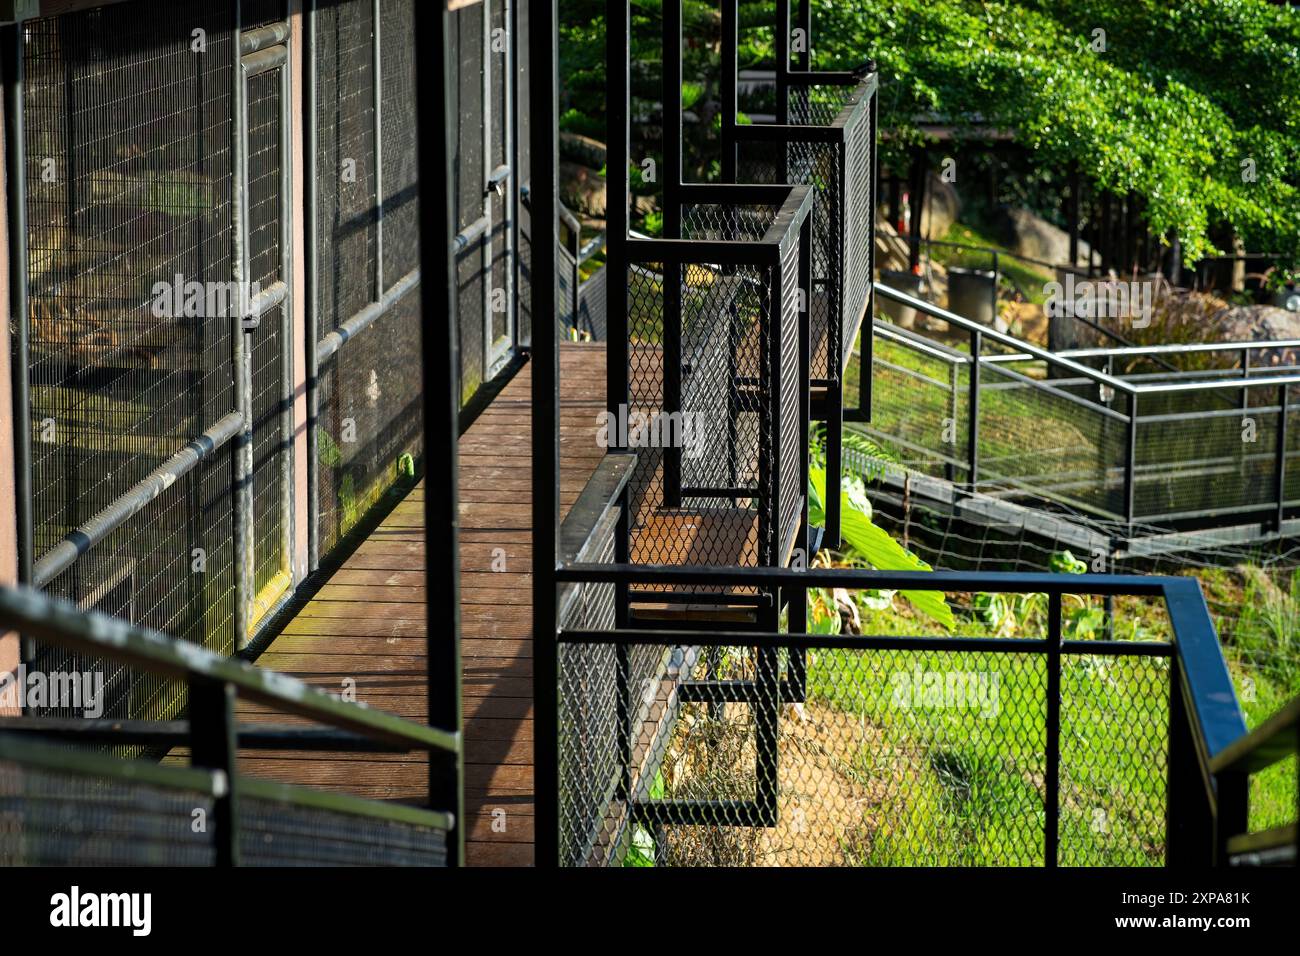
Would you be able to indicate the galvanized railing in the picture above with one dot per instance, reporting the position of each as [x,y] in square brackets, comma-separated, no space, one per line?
[1197,447]
[72,799]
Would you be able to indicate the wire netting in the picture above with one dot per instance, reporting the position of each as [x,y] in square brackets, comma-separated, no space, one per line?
[401,208]
[282,833]
[57,818]
[893,758]
[128,151]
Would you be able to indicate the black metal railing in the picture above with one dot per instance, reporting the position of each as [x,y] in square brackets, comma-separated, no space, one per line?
[824,137]
[1198,448]
[716,399]
[1274,741]
[1055,750]
[73,798]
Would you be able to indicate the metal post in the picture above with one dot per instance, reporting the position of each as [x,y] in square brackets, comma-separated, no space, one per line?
[782,43]
[1072,216]
[310,226]
[213,745]
[673,269]
[440,364]
[973,426]
[1245,375]
[1279,466]
[543,85]
[1130,469]
[20,315]
[730,67]
[1189,814]
[1052,769]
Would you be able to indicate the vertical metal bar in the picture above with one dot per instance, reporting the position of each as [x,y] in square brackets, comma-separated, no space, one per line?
[618,139]
[1052,758]
[1279,466]
[20,314]
[866,362]
[242,362]
[1245,375]
[543,57]
[1130,469]
[730,68]
[1232,812]
[509,207]
[1189,815]
[674,271]
[310,226]
[973,425]
[781,41]
[440,365]
[1072,215]
[377,65]
[672,119]
[484,173]
[287,483]
[213,746]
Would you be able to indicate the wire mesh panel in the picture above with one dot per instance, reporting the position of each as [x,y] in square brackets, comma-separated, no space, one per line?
[367,393]
[346,209]
[128,151]
[284,833]
[370,420]
[829,144]
[50,817]
[895,758]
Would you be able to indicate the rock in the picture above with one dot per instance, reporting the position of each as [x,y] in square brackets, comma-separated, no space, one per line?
[1259,323]
[1036,238]
[582,150]
[941,207]
[582,189]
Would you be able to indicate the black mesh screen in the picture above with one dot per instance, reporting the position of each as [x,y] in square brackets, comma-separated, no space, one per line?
[401,228]
[370,418]
[128,152]
[56,818]
[274,833]
[346,211]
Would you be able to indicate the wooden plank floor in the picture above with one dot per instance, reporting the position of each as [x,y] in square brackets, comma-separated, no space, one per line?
[366,624]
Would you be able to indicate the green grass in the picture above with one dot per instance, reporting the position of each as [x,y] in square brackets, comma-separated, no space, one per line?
[961,783]
[1029,278]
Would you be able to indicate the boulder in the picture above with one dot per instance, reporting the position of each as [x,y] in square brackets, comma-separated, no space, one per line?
[1259,323]
[1035,237]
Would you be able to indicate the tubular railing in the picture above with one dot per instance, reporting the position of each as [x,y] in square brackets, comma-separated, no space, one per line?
[73,806]
[908,750]
[1003,416]
[824,137]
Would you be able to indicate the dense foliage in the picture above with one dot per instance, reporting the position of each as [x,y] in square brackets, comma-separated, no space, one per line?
[1192,104]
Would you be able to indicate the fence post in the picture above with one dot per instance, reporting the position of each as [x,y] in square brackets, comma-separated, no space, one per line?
[213,745]
[1052,769]
[1279,466]
[1130,469]
[1189,815]
[973,426]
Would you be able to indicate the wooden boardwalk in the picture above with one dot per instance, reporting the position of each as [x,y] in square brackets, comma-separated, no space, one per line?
[366,624]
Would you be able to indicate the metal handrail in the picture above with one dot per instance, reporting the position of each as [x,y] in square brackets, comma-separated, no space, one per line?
[1206,720]
[60,622]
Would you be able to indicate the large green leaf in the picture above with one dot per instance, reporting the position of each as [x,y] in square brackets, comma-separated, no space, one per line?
[876,546]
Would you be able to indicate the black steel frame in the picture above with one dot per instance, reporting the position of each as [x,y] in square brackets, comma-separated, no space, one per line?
[861,107]
[1206,805]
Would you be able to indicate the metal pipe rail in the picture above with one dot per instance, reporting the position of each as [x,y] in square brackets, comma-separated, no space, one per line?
[1205,721]
[214,683]
[1123,448]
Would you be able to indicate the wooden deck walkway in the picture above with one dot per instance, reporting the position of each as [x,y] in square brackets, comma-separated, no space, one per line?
[366,624]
